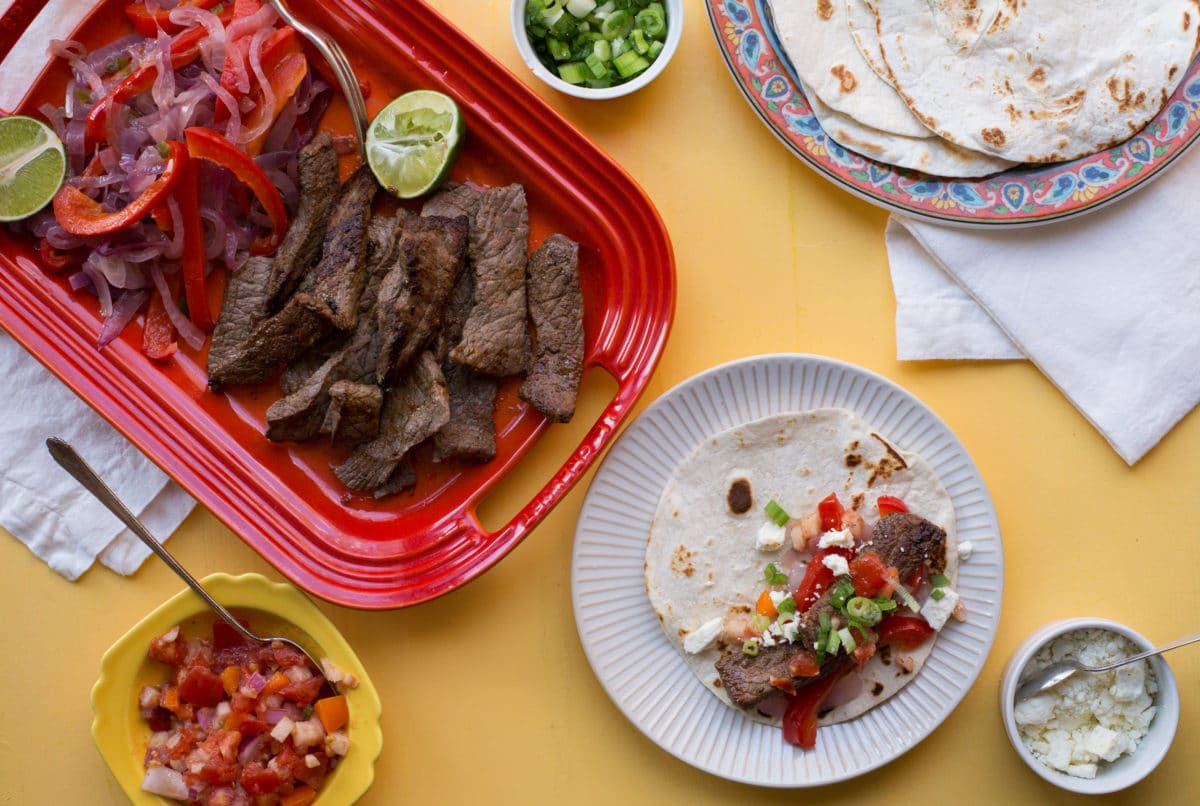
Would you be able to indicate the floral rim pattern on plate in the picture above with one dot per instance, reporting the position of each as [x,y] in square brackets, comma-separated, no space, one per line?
[1019,196]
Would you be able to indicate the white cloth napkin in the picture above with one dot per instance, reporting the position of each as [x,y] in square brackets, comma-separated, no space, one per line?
[1107,305]
[40,504]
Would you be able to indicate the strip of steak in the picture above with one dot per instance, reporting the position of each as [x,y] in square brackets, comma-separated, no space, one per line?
[470,434]
[453,200]
[495,338]
[413,295]
[334,286]
[556,308]
[404,477]
[274,342]
[413,411]
[353,414]
[301,244]
[901,539]
[243,308]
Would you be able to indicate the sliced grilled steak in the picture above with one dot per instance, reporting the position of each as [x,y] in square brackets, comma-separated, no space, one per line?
[495,338]
[404,477]
[333,288]
[274,342]
[413,295]
[302,368]
[454,200]
[747,680]
[243,308]
[906,541]
[556,308]
[302,244]
[413,411]
[353,414]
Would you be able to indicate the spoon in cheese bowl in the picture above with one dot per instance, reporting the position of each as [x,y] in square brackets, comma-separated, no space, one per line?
[73,463]
[1056,673]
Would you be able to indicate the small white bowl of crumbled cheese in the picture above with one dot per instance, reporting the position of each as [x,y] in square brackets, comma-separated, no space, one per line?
[1093,733]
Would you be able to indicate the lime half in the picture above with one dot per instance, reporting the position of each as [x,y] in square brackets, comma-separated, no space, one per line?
[32,166]
[413,141]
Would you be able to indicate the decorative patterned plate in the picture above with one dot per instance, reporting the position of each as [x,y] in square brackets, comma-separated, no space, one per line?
[643,673]
[1017,197]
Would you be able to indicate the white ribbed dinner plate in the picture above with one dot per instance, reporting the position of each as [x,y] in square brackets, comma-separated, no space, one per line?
[644,674]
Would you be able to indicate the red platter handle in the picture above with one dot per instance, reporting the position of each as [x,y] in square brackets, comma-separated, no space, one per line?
[14,23]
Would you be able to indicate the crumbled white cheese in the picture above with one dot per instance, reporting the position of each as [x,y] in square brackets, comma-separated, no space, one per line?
[965,549]
[1092,718]
[837,537]
[790,631]
[768,639]
[837,564]
[770,537]
[702,637]
[937,611]
[778,596]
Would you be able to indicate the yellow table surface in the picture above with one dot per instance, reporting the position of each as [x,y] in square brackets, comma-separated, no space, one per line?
[488,697]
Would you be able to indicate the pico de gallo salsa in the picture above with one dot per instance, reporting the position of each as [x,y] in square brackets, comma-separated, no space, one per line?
[847,589]
[239,723]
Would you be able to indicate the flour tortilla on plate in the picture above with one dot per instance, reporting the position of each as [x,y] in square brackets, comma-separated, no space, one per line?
[818,44]
[931,155]
[1032,81]
[701,560]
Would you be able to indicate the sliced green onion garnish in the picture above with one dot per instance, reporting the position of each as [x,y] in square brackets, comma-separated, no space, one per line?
[596,66]
[773,575]
[652,20]
[559,50]
[776,513]
[884,603]
[847,639]
[574,72]
[835,641]
[909,601]
[581,8]
[602,50]
[759,622]
[629,64]
[656,48]
[843,593]
[619,23]
[640,44]
[787,605]
[864,611]
[750,647]
[939,581]
[163,149]
[937,595]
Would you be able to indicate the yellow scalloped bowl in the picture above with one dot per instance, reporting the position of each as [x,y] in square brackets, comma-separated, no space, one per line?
[272,608]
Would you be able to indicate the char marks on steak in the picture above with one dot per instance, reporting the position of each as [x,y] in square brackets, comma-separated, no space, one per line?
[353,413]
[301,244]
[747,679]
[413,410]
[495,338]
[243,308]
[404,477]
[413,295]
[556,308]
[333,288]
[453,200]
[905,540]
[274,342]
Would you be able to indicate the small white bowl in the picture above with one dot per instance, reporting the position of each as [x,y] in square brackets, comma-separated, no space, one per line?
[1126,770]
[670,45]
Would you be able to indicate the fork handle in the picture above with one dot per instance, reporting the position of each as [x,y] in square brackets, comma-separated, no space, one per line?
[73,463]
[1158,650]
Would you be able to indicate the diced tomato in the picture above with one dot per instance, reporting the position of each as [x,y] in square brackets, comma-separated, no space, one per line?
[183,745]
[918,578]
[224,636]
[783,684]
[301,796]
[201,687]
[863,653]
[240,703]
[259,780]
[903,631]
[313,776]
[172,652]
[869,575]
[248,726]
[764,606]
[803,664]
[304,692]
[800,718]
[286,760]
[218,771]
[287,657]
[888,504]
[817,578]
[831,511]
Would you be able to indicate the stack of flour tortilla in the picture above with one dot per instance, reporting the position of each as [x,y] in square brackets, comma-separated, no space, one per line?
[964,88]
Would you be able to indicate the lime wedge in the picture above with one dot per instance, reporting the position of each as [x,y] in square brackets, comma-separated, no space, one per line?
[32,166]
[413,141]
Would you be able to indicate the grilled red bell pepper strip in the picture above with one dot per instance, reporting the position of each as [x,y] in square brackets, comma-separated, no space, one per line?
[903,631]
[237,69]
[284,66]
[158,334]
[208,145]
[79,214]
[195,265]
[800,718]
[147,22]
[54,259]
[184,50]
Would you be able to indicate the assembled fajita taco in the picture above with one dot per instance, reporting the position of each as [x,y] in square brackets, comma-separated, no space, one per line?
[802,565]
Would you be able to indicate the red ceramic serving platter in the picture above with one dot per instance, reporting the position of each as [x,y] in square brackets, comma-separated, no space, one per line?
[282,499]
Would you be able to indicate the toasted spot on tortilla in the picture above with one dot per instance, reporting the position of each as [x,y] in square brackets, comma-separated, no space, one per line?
[740,608]
[877,689]
[1187,21]
[1038,76]
[681,561]
[857,500]
[895,454]
[885,655]
[853,459]
[825,10]
[993,137]
[1122,93]
[740,497]
[846,80]
[719,683]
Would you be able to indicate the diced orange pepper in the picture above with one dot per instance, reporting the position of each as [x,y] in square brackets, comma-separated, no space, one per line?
[170,699]
[277,682]
[332,711]
[765,606]
[231,678]
[234,720]
[301,796]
